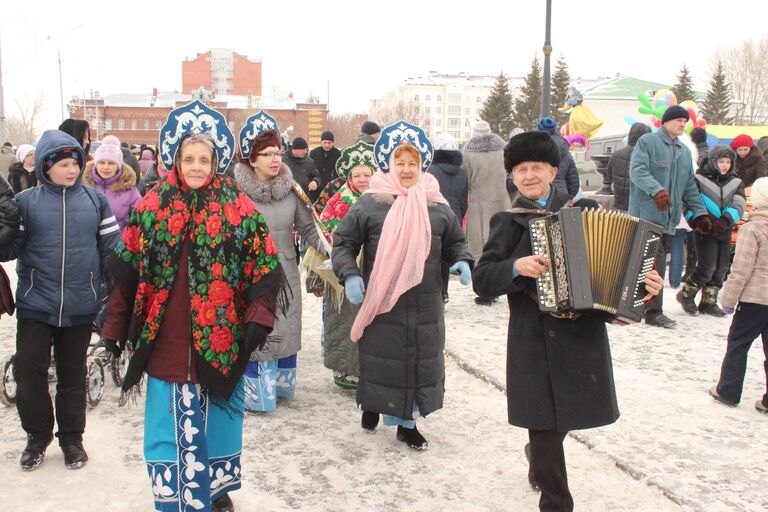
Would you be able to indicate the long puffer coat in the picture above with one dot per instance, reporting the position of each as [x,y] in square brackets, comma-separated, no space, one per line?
[282,210]
[559,372]
[401,352]
[618,166]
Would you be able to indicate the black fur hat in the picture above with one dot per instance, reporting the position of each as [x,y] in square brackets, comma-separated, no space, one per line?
[531,147]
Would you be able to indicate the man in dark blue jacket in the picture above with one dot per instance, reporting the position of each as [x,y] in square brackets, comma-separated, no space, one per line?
[67,232]
[567,179]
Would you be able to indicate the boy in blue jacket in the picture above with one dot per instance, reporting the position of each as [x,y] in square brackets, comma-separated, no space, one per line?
[67,231]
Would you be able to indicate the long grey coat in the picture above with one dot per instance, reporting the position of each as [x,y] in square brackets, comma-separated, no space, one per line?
[282,210]
[484,163]
[401,352]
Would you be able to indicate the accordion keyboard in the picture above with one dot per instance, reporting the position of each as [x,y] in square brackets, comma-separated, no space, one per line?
[540,244]
[646,265]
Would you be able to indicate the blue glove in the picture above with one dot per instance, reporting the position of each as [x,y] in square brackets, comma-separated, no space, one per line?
[727,310]
[354,289]
[465,275]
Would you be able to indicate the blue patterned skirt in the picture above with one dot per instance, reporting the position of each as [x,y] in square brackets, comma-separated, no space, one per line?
[267,380]
[191,445]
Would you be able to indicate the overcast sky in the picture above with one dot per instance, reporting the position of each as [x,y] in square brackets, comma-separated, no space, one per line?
[361,49]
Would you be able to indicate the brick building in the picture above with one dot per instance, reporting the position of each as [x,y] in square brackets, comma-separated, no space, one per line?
[222,71]
[137,118]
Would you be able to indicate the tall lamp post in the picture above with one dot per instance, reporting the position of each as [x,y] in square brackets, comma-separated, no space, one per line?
[546,88]
[2,103]
[58,53]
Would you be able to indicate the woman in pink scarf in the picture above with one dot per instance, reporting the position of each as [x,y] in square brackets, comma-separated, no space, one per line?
[406,229]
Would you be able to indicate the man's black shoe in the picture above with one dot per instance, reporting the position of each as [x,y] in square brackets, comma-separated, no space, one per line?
[34,453]
[661,320]
[74,454]
[531,476]
[223,504]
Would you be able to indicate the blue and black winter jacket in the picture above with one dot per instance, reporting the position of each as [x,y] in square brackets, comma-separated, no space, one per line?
[66,234]
[722,194]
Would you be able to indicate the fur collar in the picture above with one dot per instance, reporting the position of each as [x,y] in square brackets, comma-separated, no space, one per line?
[485,143]
[126,182]
[276,189]
[444,156]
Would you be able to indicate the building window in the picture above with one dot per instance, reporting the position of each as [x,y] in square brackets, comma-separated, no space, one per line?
[426,122]
[416,97]
[467,111]
[454,111]
[108,124]
[438,122]
[479,99]
[134,124]
[158,124]
[467,99]
[454,122]
[121,124]
[454,98]
[439,98]
[455,134]
[466,122]
[466,135]
[427,110]
[146,124]
[438,110]
[427,98]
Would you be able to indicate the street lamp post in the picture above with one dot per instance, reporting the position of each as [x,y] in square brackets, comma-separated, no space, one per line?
[546,88]
[2,103]
[58,53]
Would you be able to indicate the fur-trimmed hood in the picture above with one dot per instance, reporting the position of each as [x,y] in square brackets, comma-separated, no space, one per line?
[485,144]
[126,182]
[276,189]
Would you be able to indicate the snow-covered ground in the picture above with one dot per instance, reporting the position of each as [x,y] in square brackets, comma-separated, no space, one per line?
[312,455]
[671,433]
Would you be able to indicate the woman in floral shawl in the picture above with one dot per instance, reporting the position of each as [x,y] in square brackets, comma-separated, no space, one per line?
[198,281]
[356,166]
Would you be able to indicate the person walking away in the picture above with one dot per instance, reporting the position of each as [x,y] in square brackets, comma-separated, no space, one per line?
[618,166]
[661,184]
[745,294]
[484,163]
[567,179]
[723,194]
[68,232]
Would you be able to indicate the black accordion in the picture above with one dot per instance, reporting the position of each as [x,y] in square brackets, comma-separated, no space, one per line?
[597,260]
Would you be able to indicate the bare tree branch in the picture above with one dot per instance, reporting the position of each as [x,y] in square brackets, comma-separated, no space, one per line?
[747,71]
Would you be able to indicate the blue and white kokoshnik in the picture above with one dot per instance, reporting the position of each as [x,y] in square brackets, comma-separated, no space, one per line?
[196,117]
[392,136]
[254,126]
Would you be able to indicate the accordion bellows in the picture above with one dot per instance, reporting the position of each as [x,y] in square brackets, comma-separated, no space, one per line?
[596,259]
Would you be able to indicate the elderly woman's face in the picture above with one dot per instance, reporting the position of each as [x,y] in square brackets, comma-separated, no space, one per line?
[407,169]
[196,160]
[361,178]
[267,163]
[533,179]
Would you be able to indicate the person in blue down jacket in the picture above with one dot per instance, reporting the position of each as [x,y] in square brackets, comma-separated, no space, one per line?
[67,232]
[661,174]
[723,195]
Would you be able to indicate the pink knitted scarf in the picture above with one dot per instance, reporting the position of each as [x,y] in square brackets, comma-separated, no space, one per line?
[403,246]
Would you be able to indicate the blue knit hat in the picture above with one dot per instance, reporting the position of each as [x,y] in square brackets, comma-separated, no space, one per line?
[547,124]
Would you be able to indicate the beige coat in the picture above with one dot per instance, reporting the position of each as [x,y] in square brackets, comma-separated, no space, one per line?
[484,163]
[748,281]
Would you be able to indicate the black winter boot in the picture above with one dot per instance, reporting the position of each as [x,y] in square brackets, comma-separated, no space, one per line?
[687,297]
[412,438]
[369,421]
[708,304]
[531,476]
[34,453]
[74,454]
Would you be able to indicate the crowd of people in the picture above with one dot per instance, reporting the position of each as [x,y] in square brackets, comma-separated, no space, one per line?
[192,258]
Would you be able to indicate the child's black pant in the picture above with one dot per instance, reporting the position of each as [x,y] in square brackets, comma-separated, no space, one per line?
[714,259]
[749,322]
[33,357]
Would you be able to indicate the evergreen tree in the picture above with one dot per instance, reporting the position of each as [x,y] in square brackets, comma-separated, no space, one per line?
[683,89]
[497,109]
[561,80]
[528,103]
[717,105]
